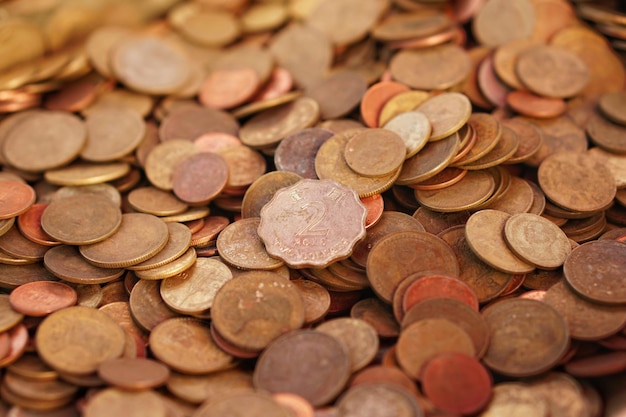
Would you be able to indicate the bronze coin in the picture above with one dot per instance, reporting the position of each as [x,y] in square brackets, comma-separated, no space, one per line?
[147,307]
[316,300]
[606,134]
[337,94]
[228,88]
[375,152]
[473,383]
[410,25]
[375,98]
[131,404]
[531,105]
[16,198]
[491,87]
[359,338]
[269,307]
[240,245]
[468,193]
[250,403]
[199,178]
[197,389]
[401,103]
[438,286]
[297,225]
[133,374]
[15,246]
[603,260]
[163,160]
[387,374]
[378,314]
[400,254]
[41,298]
[296,152]
[245,165]
[112,133]
[152,200]
[488,133]
[77,339]
[516,324]
[597,365]
[291,364]
[413,127]
[212,226]
[358,401]
[504,59]
[503,21]
[530,139]
[87,174]
[12,276]
[435,222]
[191,122]
[612,106]
[429,161]
[327,17]
[447,113]
[66,263]
[263,189]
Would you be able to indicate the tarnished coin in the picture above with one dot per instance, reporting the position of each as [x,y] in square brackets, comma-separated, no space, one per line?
[528,337]
[501,21]
[292,364]
[375,152]
[131,404]
[152,200]
[606,134]
[296,152]
[594,268]
[139,237]
[358,336]
[112,133]
[77,339]
[199,178]
[255,308]
[81,219]
[248,402]
[338,94]
[537,240]
[15,198]
[240,245]
[576,182]
[312,223]
[66,263]
[431,286]
[447,113]
[372,399]
[186,345]
[468,193]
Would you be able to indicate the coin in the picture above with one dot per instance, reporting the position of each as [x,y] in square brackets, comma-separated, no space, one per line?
[197,389]
[468,193]
[283,365]
[87,174]
[240,245]
[16,246]
[191,122]
[337,94]
[515,399]
[296,152]
[263,189]
[245,165]
[358,400]
[10,317]
[429,161]
[376,97]
[504,59]
[531,105]
[606,134]
[16,198]
[413,127]
[492,88]
[133,374]
[375,152]
[512,321]
[163,159]
[112,133]
[155,201]
[446,112]
[359,338]
[228,88]
[437,286]
[327,18]
[29,224]
[147,307]
[66,263]
[132,404]
[170,269]
[612,105]
[503,21]
[199,178]
[41,298]
[254,404]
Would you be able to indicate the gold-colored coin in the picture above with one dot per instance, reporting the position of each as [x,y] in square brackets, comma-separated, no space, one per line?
[258,106]
[488,133]
[239,244]
[9,317]
[140,103]
[152,200]
[22,41]
[105,190]
[81,219]
[139,237]
[177,244]
[163,159]
[413,127]
[170,269]
[447,113]
[375,152]
[120,402]
[501,21]
[205,26]
[472,190]
[505,148]
[87,174]
[429,161]
[504,59]
[400,103]
[193,213]
[264,17]
[99,45]
[77,339]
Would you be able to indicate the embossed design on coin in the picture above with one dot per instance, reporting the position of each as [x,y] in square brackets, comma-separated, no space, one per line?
[312,223]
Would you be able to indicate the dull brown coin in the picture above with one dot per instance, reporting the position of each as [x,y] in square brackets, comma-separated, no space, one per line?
[606,134]
[10,317]
[586,320]
[455,311]
[112,133]
[191,122]
[214,141]
[415,252]
[66,263]
[31,366]
[197,389]
[186,345]
[16,198]
[504,59]
[131,404]
[199,178]
[413,127]
[316,300]
[598,281]
[359,401]
[297,226]
[359,338]
[147,307]
[552,71]
[515,399]
[283,365]
[16,247]
[296,152]
[536,240]
[77,339]
[612,106]
[327,18]
[517,198]
[615,164]
[245,165]
[468,193]
[530,139]
[576,182]
[386,374]
[163,159]
[139,237]
[14,275]
[517,324]
[501,21]
[36,391]
[37,299]
[155,201]
[263,189]
[337,94]
[268,128]
[423,340]
[193,291]
[136,374]
[57,136]
[484,234]
[149,65]
[375,152]
[87,174]
[447,113]
[228,88]
[251,403]
[240,245]
[104,189]
[435,68]
[211,227]
[270,306]
[429,161]
[488,133]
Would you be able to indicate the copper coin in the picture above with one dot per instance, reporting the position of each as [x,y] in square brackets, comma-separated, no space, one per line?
[42,298]
[436,286]
[530,139]
[375,98]
[316,300]
[612,106]
[263,189]
[270,306]
[18,339]
[147,307]
[358,401]
[81,219]
[215,141]
[425,339]
[457,312]
[133,374]
[77,339]
[66,263]
[491,87]
[132,404]
[177,244]
[401,103]
[251,403]
[228,88]
[606,134]
[488,133]
[504,59]
[29,224]
[296,152]
[375,152]
[602,260]
[152,200]
[552,71]
[198,388]
[291,364]
[598,365]
[386,374]
[501,21]
[15,246]
[532,105]
[244,166]
[359,338]
[191,122]
[415,252]
[199,178]
[16,198]
[326,18]
[518,323]
[457,383]
[445,178]
[576,182]
[337,94]
[378,314]
[435,222]
[280,83]
[429,161]
[468,193]
[298,218]
[240,245]
[447,113]
[212,226]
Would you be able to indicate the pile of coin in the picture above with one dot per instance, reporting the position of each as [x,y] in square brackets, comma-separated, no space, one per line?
[316,208]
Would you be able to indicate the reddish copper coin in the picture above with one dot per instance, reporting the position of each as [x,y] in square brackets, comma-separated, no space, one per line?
[387,374]
[457,383]
[228,88]
[298,405]
[531,105]
[375,206]
[435,286]
[15,198]
[280,83]
[598,365]
[29,224]
[375,98]
[42,298]
[19,341]
[216,141]
[378,314]
[292,364]
[494,90]
[199,178]
[133,374]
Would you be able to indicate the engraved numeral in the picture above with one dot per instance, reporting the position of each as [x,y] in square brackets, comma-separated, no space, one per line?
[316,212]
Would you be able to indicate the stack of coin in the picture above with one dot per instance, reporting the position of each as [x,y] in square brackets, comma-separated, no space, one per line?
[312,208]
